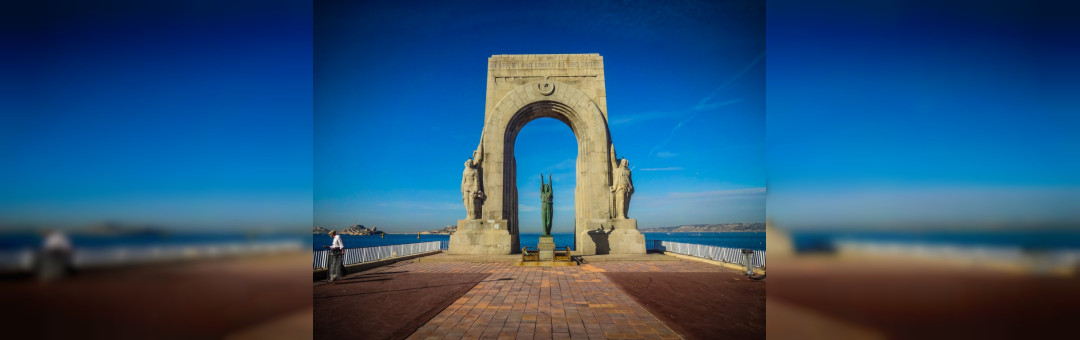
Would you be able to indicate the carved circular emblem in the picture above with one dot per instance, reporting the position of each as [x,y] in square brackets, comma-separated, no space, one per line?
[546,88]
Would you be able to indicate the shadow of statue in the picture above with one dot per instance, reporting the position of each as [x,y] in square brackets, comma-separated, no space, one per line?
[600,239]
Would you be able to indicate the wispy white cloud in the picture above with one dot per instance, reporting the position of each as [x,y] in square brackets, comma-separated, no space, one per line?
[706,103]
[670,168]
[705,206]
[417,205]
[666,154]
[675,197]
[568,163]
[645,116]
[710,106]
[718,193]
[670,136]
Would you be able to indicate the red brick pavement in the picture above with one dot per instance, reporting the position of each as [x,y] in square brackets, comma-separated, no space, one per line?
[387,304]
[546,302]
[723,305]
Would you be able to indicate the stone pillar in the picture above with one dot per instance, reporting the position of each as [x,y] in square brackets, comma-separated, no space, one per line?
[484,237]
[611,236]
[626,239]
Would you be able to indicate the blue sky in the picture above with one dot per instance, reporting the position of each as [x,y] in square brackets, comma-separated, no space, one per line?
[400,92]
[185,115]
[895,113]
[254,114]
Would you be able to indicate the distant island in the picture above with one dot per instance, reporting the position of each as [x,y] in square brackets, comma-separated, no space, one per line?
[697,228]
[450,229]
[353,230]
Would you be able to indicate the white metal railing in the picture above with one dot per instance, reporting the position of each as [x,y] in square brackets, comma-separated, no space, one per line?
[1061,258]
[368,254]
[128,255]
[1066,258]
[94,257]
[1007,254]
[17,260]
[722,254]
[319,259]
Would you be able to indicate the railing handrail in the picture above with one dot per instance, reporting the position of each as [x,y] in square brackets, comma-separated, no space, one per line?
[1054,257]
[23,259]
[717,253]
[320,258]
[385,245]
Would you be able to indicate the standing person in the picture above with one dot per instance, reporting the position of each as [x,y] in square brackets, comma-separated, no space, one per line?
[55,256]
[337,250]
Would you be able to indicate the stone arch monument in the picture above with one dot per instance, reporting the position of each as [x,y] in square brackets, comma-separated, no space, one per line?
[521,88]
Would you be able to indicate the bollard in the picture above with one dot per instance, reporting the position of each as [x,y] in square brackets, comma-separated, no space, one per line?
[748,255]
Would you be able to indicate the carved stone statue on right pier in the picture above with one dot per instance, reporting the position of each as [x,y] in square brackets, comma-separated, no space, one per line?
[622,188]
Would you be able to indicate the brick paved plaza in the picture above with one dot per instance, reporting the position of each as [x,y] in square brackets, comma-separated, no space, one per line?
[515,302]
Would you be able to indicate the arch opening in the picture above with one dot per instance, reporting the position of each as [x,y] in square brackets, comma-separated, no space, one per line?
[521,117]
[544,146]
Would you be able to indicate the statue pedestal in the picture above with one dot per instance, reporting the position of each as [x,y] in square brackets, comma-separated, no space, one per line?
[481,237]
[626,239]
[546,247]
[611,236]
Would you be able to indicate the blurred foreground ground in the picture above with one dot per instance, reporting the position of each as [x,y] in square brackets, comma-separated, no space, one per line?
[256,297]
[897,297]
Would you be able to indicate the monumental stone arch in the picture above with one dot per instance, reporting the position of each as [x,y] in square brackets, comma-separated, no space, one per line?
[520,89]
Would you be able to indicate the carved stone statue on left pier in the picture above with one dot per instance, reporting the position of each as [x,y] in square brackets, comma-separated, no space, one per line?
[471,193]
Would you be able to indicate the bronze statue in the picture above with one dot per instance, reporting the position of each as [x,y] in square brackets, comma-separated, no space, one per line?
[545,203]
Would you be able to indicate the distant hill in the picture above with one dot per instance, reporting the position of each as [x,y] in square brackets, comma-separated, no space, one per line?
[450,229]
[697,228]
[319,230]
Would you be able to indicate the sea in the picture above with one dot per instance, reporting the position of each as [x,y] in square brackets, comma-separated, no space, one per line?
[750,240]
